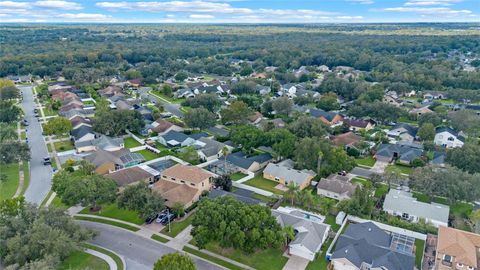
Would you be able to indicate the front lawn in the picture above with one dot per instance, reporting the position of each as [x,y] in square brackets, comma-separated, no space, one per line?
[109,222]
[270,259]
[362,181]
[26,176]
[265,184]
[80,260]
[131,143]
[400,168]
[9,183]
[63,146]
[366,161]
[177,226]
[211,258]
[57,202]
[237,176]
[112,211]
[115,257]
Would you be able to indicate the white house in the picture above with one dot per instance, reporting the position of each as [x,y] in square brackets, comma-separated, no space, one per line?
[448,138]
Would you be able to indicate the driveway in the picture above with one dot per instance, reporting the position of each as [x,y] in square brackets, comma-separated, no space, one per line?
[40,175]
[169,107]
[357,171]
[139,253]
[296,263]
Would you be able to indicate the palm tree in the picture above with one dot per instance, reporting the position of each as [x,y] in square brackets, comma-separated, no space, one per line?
[225,153]
[288,233]
[291,192]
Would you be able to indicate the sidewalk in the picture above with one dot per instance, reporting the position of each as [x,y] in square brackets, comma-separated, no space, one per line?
[108,259]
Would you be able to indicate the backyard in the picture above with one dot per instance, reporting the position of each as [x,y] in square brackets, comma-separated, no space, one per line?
[265,184]
[9,181]
[131,142]
[368,161]
[149,155]
[237,176]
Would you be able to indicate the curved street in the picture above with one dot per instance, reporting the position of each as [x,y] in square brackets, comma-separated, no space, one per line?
[139,253]
[40,175]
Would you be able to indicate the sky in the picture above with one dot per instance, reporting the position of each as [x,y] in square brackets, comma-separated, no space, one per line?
[240,11]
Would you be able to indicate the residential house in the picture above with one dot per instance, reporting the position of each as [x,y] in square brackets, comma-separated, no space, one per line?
[83,133]
[331,119]
[434,95]
[300,72]
[69,107]
[438,158]
[247,163]
[403,204]
[132,175]
[457,249]
[174,138]
[135,82]
[448,138]
[274,123]
[349,140]
[103,142]
[403,132]
[110,91]
[162,126]
[219,131]
[146,113]
[404,153]
[182,184]
[209,149]
[310,233]
[421,110]
[359,124]
[256,118]
[323,68]
[184,93]
[107,162]
[336,187]
[392,100]
[78,121]
[285,174]
[366,246]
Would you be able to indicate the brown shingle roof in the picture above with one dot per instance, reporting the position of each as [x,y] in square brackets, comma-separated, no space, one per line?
[162,126]
[337,186]
[460,244]
[129,176]
[174,192]
[190,173]
[348,138]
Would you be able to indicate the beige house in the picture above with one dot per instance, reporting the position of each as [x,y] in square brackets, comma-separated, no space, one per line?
[457,249]
[285,175]
[336,187]
[183,184]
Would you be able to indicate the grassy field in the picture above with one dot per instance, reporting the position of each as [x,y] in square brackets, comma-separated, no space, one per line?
[160,239]
[149,155]
[9,185]
[211,258]
[131,143]
[366,161]
[270,259]
[177,226]
[63,146]
[109,222]
[80,260]
[112,211]
[57,202]
[237,176]
[265,184]
[117,259]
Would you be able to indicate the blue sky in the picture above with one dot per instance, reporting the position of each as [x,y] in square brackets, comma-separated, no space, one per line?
[241,11]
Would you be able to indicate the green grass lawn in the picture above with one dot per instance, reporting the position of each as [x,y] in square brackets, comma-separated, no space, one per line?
[264,184]
[109,222]
[330,219]
[23,135]
[57,202]
[149,155]
[270,259]
[117,259]
[320,262]
[381,190]
[63,146]
[421,197]
[237,176]
[80,260]
[366,161]
[419,246]
[400,168]
[49,147]
[211,258]
[362,181]
[158,238]
[131,143]
[407,121]
[112,211]
[9,185]
[262,198]
[169,99]
[26,176]
[177,226]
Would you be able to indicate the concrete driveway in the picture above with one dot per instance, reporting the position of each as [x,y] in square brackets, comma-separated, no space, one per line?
[296,263]
[40,175]
[139,253]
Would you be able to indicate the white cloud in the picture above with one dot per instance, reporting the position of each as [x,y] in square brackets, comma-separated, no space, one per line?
[84,16]
[431,2]
[436,11]
[170,15]
[175,6]
[56,4]
[12,4]
[201,16]
[363,2]
[349,17]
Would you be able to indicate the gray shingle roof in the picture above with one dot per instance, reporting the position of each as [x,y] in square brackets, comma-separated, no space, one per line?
[289,174]
[243,161]
[81,131]
[405,152]
[321,113]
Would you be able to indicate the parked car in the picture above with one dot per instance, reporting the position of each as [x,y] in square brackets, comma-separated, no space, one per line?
[35,110]
[168,218]
[47,161]
[161,216]
[151,219]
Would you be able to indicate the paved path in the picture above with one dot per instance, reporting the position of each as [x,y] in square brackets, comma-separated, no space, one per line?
[169,107]
[357,171]
[139,253]
[181,239]
[296,263]
[41,176]
[111,263]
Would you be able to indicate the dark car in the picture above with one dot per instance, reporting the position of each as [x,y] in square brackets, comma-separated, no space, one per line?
[47,161]
[168,218]
[35,110]
[151,219]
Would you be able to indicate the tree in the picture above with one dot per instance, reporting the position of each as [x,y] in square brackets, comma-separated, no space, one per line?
[140,198]
[475,217]
[246,136]
[166,90]
[57,126]
[377,110]
[224,181]
[291,192]
[9,92]
[200,118]
[282,105]
[328,102]
[37,238]
[426,132]
[181,76]
[289,234]
[307,127]
[243,87]
[237,113]
[282,142]
[7,132]
[466,158]
[175,261]
[247,70]
[432,118]
[361,204]
[115,122]
[189,154]
[8,112]
[210,102]
[13,151]
[178,209]
[88,190]
[465,120]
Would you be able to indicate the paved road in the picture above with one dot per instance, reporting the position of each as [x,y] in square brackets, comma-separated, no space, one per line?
[40,175]
[362,172]
[139,253]
[169,107]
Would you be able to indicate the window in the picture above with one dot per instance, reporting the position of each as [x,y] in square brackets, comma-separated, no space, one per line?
[405,215]
[182,181]
[203,184]
[460,265]
[451,139]
[174,179]
[192,184]
[164,176]
[277,179]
